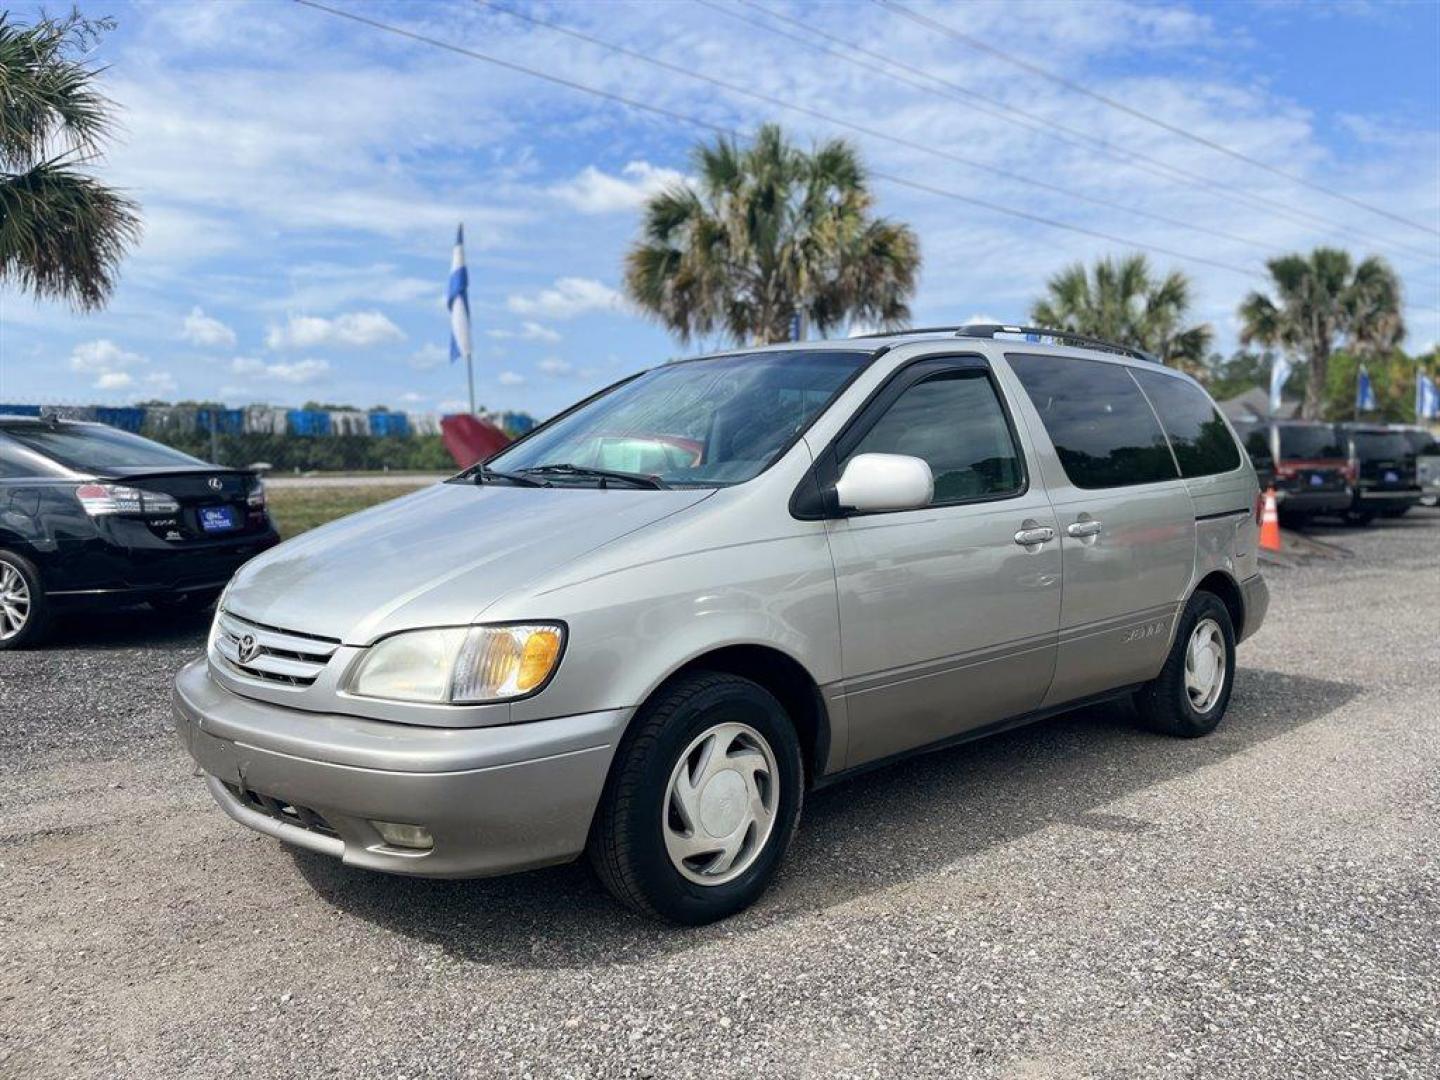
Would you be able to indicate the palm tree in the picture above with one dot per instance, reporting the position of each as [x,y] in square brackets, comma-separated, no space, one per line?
[62,233]
[1323,299]
[767,231]
[1123,303]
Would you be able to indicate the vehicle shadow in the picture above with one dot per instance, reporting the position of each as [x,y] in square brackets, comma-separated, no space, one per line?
[896,824]
[127,628]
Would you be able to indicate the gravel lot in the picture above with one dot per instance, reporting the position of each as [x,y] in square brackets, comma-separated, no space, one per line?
[1073,899]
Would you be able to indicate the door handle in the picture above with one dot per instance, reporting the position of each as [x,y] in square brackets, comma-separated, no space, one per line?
[1088,527]
[1040,534]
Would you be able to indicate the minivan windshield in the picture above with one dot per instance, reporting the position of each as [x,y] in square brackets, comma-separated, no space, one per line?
[98,448]
[1307,443]
[699,423]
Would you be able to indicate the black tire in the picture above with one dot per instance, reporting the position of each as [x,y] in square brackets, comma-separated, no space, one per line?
[1165,704]
[1395,511]
[37,611]
[1359,517]
[185,603]
[627,843]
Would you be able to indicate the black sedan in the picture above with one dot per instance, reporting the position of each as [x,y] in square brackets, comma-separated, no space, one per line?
[90,516]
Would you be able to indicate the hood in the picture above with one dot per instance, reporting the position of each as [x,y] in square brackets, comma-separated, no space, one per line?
[439,557]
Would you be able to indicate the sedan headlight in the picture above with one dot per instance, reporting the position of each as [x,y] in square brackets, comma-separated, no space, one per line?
[460,665]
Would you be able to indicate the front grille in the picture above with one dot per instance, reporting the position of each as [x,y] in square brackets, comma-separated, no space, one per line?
[289,813]
[287,657]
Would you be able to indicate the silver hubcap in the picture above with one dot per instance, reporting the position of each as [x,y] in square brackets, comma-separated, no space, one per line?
[720,804]
[14,602]
[1205,665]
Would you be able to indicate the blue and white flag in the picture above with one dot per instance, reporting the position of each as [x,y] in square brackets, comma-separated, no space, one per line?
[1364,392]
[458,301]
[1280,369]
[1427,397]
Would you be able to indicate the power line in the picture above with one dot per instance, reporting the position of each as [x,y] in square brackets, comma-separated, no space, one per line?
[671,114]
[889,66]
[1174,129]
[873,133]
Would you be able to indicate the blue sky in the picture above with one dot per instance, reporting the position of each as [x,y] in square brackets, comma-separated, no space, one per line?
[301,176]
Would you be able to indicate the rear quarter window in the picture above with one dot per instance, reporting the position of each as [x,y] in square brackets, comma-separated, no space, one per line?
[1203,444]
[1103,428]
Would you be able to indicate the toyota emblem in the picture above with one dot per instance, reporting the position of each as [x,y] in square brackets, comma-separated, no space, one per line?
[249,648]
[216,483]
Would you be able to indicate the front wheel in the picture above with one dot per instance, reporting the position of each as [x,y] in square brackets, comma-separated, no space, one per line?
[702,800]
[1190,695]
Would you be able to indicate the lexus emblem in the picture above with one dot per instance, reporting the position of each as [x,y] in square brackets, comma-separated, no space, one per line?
[249,648]
[216,483]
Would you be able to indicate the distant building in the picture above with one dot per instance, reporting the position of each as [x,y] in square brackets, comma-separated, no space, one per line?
[1254,404]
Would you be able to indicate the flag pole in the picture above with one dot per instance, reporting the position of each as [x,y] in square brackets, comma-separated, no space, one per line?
[470,376]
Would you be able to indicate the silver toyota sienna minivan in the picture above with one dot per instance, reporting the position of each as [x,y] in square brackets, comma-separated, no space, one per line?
[644,630]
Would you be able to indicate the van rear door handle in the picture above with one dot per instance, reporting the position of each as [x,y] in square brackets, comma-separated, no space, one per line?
[1040,534]
[1088,527]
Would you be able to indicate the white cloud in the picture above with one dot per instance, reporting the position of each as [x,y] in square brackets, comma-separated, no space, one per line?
[511,378]
[114,380]
[554,366]
[359,329]
[410,397]
[596,192]
[428,357]
[101,356]
[529,331]
[567,298]
[296,372]
[202,329]
[161,383]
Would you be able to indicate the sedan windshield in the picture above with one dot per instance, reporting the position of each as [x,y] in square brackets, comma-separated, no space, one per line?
[703,423]
[98,448]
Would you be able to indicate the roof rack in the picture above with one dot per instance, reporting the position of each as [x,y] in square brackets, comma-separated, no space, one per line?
[989,330]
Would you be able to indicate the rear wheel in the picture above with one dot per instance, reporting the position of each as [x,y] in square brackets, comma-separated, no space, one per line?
[24,614]
[1192,691]
[1395,511]
[701,802]
[1359,517]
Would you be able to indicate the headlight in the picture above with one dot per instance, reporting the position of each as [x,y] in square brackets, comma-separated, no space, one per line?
[460,665]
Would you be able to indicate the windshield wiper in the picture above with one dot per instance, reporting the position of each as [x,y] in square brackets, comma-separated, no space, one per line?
[566,469]
[482,474]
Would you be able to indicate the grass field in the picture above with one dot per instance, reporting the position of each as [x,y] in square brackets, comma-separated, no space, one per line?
[298,509]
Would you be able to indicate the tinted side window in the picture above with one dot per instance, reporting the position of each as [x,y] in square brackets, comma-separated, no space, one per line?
[1103,428]
[1202,443]
[956,424]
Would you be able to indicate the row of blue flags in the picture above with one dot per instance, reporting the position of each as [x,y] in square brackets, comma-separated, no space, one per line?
[1427,396]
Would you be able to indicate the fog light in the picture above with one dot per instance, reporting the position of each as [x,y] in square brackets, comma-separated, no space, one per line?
[406,836]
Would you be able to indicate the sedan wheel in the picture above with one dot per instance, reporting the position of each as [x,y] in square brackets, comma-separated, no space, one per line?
[15,602]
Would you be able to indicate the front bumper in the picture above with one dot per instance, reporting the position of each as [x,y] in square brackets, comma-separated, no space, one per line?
[495,799]
[1256,596]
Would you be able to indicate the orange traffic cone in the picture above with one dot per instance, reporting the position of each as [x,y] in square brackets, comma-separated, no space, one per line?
[1270,523]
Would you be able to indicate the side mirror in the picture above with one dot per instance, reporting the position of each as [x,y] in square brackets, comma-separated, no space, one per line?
[885,482]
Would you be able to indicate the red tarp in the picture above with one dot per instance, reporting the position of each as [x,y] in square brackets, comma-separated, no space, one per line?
[470,439]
